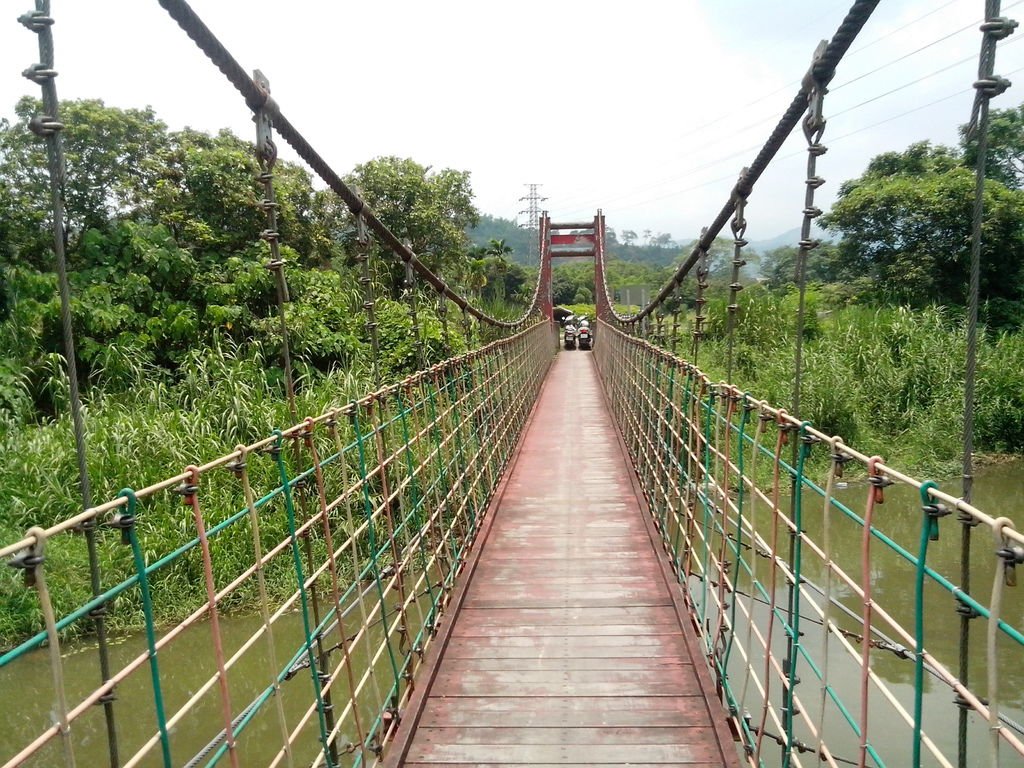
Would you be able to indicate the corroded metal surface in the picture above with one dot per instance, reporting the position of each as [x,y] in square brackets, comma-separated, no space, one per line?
[568,648]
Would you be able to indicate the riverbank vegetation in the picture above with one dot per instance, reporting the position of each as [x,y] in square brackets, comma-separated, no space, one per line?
[177,329]
[885,323]
[179,342]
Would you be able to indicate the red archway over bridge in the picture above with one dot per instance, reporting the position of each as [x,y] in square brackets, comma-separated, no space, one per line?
[572,239]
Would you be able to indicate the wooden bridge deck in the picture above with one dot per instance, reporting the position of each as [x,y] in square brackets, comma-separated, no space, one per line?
[568,646]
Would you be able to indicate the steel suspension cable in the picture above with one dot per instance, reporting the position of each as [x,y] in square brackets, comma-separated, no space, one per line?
[48,126]
[738,225]
[620,195]
[411,291]
[633,367]
[699,302]
[822,70]
[987,87]
[258,98]
[266,153]
[362,258]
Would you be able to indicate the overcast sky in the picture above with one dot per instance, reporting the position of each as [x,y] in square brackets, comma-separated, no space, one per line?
[646,109]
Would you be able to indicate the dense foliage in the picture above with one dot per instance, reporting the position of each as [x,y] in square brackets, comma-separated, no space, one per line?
[873,373]
[175,313]
[905,226]
[165,255]
[884,328]
[653,249]
[167,269]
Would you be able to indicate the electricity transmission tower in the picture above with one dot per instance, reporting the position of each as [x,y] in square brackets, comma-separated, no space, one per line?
[533,200]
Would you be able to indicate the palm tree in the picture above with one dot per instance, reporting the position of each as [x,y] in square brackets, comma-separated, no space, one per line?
[498,249]
[477,276]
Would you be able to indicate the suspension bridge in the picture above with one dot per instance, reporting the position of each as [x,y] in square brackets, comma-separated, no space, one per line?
[464,595]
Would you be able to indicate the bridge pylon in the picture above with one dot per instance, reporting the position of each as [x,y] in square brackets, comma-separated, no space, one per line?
[571,239]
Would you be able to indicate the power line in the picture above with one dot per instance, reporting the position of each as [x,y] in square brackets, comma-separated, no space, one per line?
[901,58]
[915,109]
[668,180]
[889,34]
[745,150]
[831,141]
[972,57]
[850,55]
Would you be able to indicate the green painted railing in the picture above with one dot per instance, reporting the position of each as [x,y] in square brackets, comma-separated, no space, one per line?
[821,613]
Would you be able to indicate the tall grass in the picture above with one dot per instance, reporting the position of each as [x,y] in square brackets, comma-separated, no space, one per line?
[148,428]
[145,423]
[890,380]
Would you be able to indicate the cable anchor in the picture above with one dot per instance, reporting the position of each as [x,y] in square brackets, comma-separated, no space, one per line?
[817,87]
[35,21]
[29,559]
[1012,555]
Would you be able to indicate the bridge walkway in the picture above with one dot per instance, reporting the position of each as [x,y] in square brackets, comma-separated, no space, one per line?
[568,644]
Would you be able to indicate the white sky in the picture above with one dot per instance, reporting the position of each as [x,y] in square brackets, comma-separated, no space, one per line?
[647,109]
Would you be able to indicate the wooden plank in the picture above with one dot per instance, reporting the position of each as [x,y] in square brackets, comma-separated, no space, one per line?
[663,681]
[570,711]
[610,548]
[563,664]
[559,765]
[583,736]
[591,578]
[563,754]
[577,616]
[649,646]
[565,569]
[603,593]
[566,601]
[466,629]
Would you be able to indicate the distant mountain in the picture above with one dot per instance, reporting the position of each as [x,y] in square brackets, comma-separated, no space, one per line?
[792,237]
[515,237]
[520,240]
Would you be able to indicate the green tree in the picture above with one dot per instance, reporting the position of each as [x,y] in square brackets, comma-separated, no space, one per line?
[918,159]
[1005,161]
[778,266]
[430,210]
[113,159]
[477,276]
[520,240]
[498,248]
[720,256]
[909,234]
[498,265]
[208,195]
[164,249]
[568,279]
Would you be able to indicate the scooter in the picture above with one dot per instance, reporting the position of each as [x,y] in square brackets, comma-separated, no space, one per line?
[584,337]
[569,336]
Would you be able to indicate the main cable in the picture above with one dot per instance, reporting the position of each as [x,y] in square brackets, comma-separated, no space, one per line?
[258,98]
[822,70]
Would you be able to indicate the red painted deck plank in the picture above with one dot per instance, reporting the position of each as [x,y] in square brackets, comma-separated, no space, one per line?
[568,648]
[568,711]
